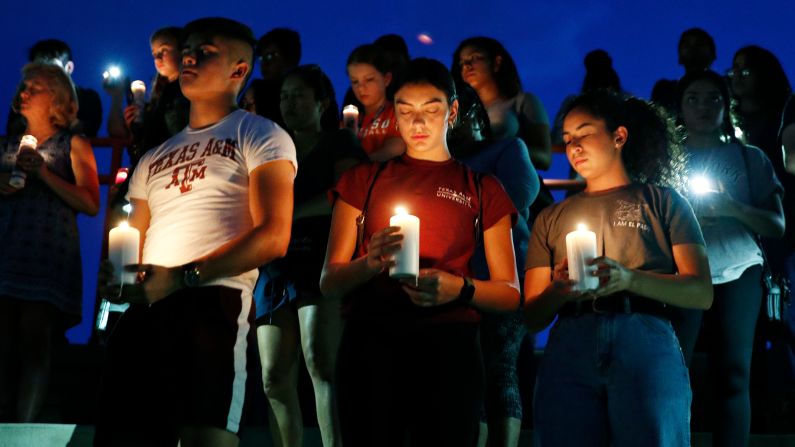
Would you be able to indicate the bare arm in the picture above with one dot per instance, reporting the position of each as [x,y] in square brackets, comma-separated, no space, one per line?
[83,195]
[691,288]
[543,297]
[340,274]
[534,130]
[271,207]
[140,216]
[767,221]
[501,291]
[539,143]
[392,148]
[117,126]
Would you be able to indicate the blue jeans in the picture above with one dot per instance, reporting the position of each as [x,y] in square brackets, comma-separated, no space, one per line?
[612,379]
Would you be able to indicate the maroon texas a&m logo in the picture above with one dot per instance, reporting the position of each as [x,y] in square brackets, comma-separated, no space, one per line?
[188,165]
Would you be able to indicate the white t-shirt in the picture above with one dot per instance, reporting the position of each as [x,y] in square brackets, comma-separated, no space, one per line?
[731,246]
[196,185]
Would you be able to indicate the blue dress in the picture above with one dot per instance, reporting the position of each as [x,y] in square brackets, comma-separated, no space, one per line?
[40,258]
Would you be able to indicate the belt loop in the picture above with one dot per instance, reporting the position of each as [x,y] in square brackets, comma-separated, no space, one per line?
[627,305]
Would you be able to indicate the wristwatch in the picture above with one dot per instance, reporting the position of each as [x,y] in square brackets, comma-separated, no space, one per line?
[467,291]
[191,277]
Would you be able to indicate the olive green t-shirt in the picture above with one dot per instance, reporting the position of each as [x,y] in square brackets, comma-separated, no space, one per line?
[636,225]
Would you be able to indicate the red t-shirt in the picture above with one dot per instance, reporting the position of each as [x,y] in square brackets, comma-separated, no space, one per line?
[378,127]
[444,197]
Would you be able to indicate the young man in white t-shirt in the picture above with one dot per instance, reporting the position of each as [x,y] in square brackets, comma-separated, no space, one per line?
[212,204]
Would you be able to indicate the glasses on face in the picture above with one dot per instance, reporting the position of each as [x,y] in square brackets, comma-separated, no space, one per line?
[738,73]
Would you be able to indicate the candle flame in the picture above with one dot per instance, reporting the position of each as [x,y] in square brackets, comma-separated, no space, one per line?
[28,141]
[124,224]
[401,210]
[581,227]
[138,85]
[351,108]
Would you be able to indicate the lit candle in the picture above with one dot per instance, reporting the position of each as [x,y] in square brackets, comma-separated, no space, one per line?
[138,89]
[18,176]
[580,249]
[121,175]
[123,244]
[350,117]
[407,260]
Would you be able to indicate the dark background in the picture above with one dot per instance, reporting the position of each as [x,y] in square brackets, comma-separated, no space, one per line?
[547,39]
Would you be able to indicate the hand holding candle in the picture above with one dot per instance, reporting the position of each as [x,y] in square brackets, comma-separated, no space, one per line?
[407,260]
[138,89]
[17,180]
[581,249]
[123,242]
[350,117]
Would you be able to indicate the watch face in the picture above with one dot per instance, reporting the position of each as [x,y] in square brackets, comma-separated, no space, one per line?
[192,277]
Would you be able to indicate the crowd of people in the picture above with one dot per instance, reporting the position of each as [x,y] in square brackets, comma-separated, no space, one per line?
[263,213]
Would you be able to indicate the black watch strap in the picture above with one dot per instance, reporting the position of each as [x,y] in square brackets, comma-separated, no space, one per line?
[191,277]
[467,291]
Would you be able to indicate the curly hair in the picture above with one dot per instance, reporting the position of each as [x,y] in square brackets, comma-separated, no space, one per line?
[652,153]
[63,110]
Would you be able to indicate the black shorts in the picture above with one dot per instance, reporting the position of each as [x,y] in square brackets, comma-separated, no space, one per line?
[180,362]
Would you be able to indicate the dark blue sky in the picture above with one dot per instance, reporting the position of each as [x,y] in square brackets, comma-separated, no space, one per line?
[547,39]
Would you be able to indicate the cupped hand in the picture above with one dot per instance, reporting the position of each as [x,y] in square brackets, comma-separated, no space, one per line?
[381,249]
[433,287]
[31,161]
[613,277]
[154,282]
[130,113]
[563,287]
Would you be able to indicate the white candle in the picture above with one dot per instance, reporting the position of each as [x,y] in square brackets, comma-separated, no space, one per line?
[138,89]
[407,260]
[350,117]
[18,176]
[581,248]
[28,141]
[123,244]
